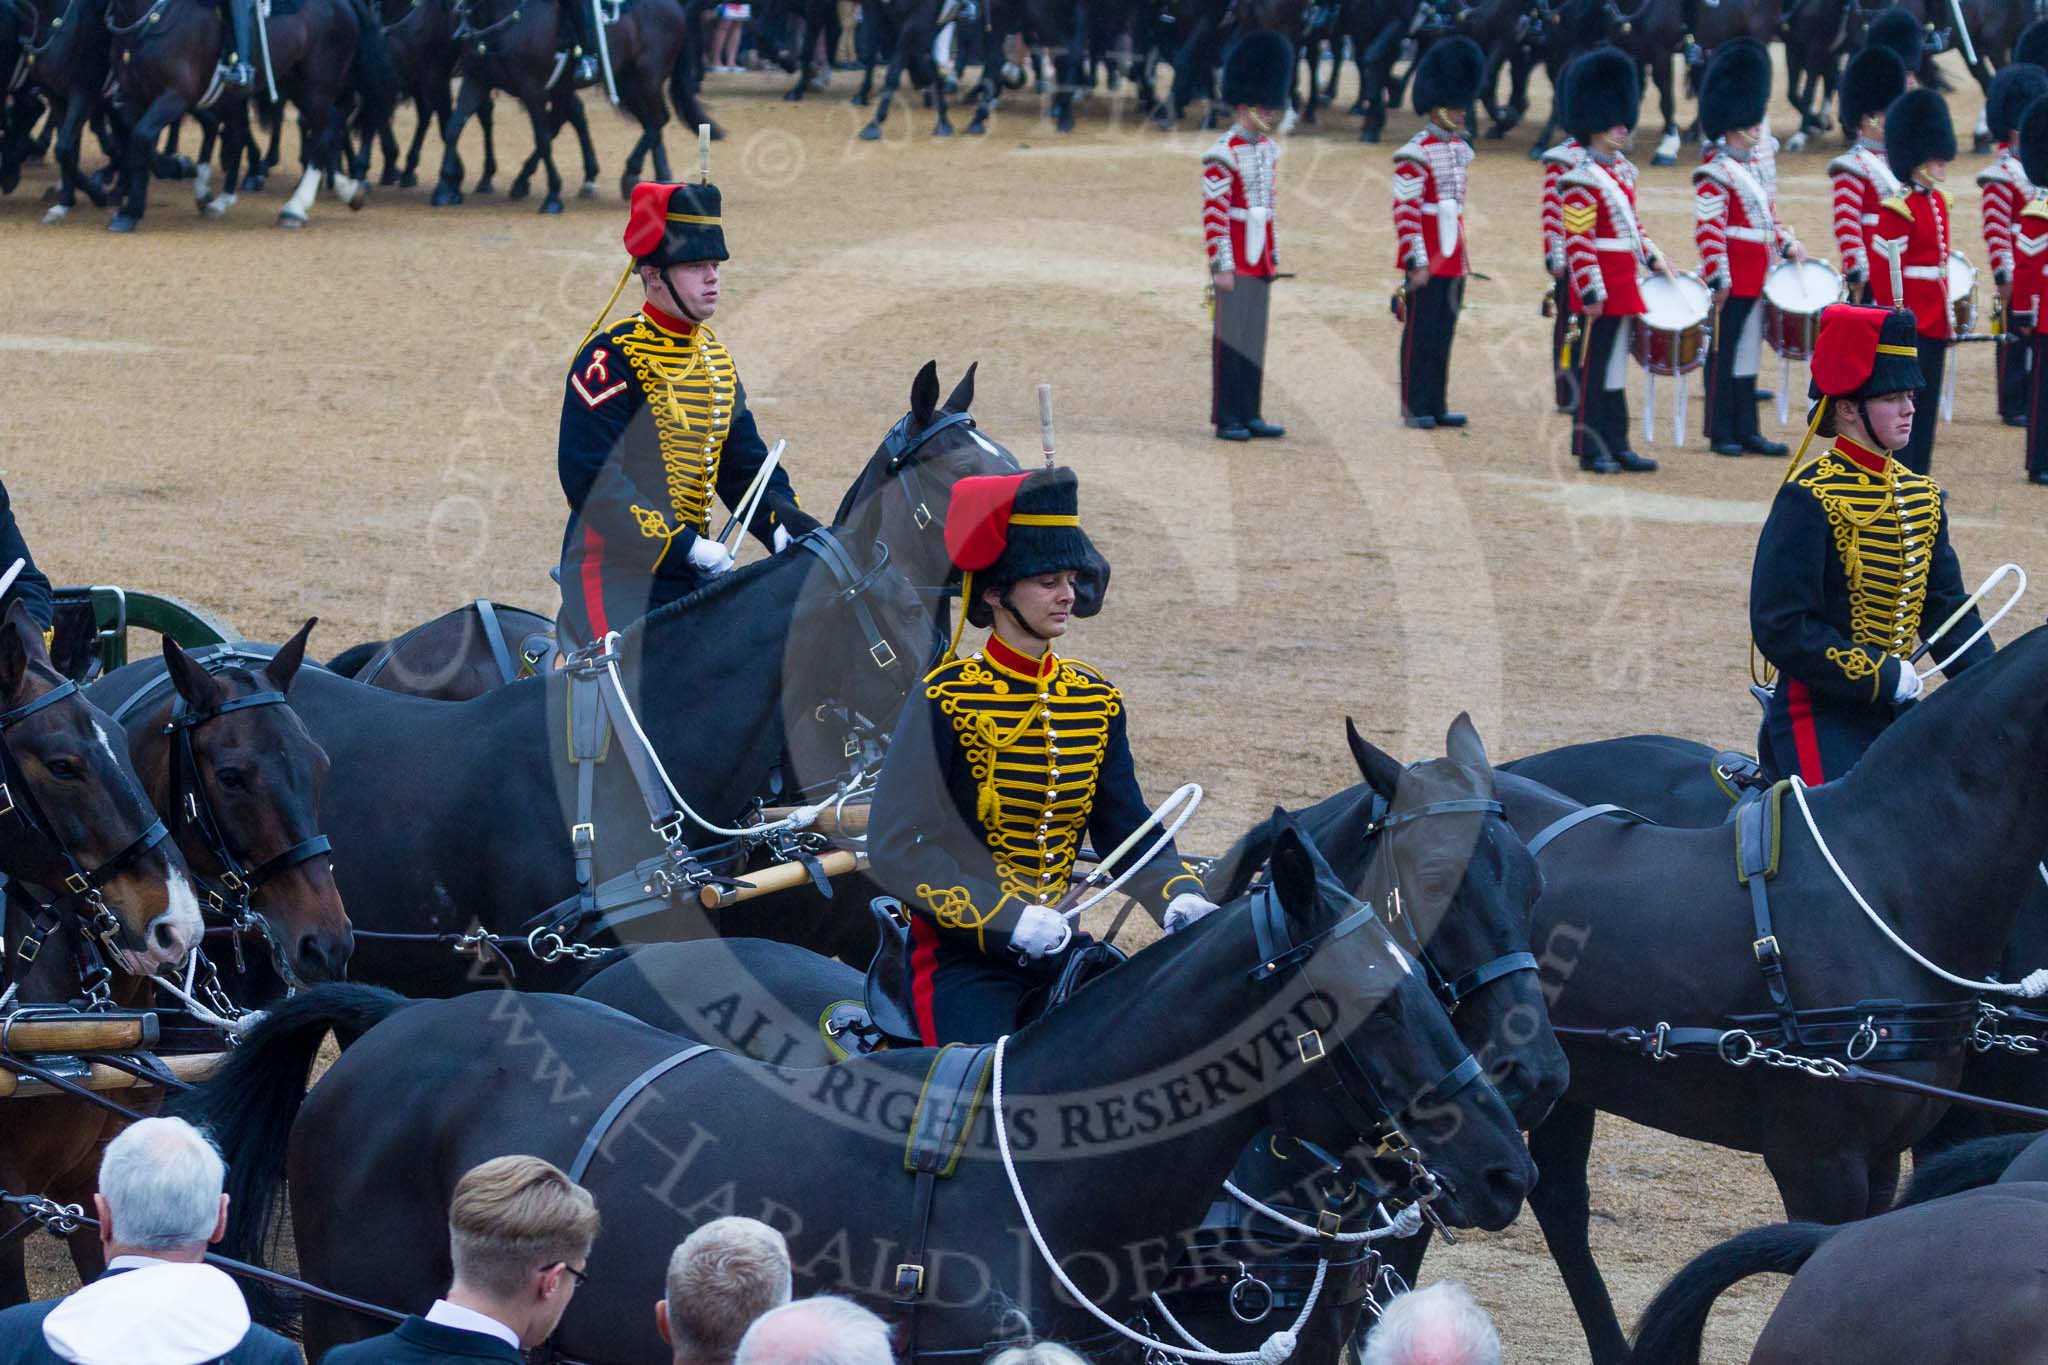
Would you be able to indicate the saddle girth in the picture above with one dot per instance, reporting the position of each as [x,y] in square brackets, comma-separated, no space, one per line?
[939,1132]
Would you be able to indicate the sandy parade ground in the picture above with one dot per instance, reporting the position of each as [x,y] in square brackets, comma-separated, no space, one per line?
[358,421]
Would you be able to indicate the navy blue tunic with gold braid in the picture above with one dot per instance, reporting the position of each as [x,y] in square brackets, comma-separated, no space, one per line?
[1853,561]
[999,767]
[654,422]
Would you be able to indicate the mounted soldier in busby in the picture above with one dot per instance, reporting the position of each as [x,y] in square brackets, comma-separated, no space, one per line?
[1910,244]
[1429,227]
[2007,190]
[1739,234]
[1238,232]
[1861,177]
[1854,557]
[654,423]
[1004,760]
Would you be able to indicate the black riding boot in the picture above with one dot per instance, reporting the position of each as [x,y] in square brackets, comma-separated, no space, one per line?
[239,49]
[580,32]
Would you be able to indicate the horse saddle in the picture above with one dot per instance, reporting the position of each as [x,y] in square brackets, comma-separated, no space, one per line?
[1739,775]
[882,1017]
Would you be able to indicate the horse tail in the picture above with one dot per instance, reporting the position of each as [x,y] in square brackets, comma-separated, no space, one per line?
[371,73]
[248,1106]
[350,661]
[1670,1328]
[1965,1166]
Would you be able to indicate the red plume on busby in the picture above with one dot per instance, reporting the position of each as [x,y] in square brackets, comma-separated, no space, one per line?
[1917,130]
[671,224]
[1736,88]
[1448,75]
[1599,90]
[1873,79]
[1863,352]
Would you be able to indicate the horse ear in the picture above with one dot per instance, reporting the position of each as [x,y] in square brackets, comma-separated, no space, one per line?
[284,665]
[924,393]
[1382,772]
[962,397]
[1297,869]
[1463,745]
[21,644]
[200,689]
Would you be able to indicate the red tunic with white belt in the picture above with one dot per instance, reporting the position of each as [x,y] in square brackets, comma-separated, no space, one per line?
[1237,203]
[1556,162]
[2006,191]
[2030,261]
[1604,241]
[1861,180]
[1429,203]
[1909,257]
[1735,224]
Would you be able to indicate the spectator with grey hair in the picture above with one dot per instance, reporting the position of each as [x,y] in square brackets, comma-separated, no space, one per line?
[723,1276]
[519,1234]
[817,1331]
[159,1207]
[1440,1325]
[1038,1353]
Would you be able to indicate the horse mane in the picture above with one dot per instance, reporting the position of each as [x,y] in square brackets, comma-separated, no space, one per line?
[1938,730]
[722,586]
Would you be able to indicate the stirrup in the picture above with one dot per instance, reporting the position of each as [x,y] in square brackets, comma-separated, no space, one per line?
[236,75]
[586,72]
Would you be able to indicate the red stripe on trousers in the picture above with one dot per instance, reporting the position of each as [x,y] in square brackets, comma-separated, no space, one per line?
[1805,740]
[924,964]
[593,585]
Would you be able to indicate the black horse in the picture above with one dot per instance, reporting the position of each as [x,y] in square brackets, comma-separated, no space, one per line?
[1333,1033]
[1642,924]
[454,815]
[65,45]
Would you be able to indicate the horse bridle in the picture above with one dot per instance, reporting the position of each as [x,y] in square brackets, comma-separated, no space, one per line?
[1451,991]
[855,586]
[238,883]
[898,448]
[81,887]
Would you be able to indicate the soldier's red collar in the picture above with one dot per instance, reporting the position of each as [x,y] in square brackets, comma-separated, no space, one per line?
[1011,661]
[665,322]
[1865,459]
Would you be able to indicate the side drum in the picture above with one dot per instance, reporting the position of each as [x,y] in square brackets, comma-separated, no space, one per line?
[1670,337]
[1962,294]
[1795,292]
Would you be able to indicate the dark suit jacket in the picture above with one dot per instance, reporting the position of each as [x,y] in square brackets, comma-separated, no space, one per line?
[419,1342]
[21,1340]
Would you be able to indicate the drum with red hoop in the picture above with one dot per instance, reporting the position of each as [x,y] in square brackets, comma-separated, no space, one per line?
[1795,292]
[1962,293]
[1671,335]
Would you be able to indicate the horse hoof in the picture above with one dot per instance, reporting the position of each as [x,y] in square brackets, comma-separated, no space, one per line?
[1496,132]
[217,207]
[361,197]
[10,176]
[253,183]
[792,96]
[860,101]
[1662,160]
[56,214]
[408,180]
[589,190]
[1066,123]
[121,222]
[483,186]
[444,195]
[977,128]
[389,178]
[289,220]
[1373,135]
[943,130]
[871,133]
[551,205]
[520,189]
[1797,142]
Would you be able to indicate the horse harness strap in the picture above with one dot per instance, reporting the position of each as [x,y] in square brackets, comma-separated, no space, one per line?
[899,446]
[1451,992]
[593,1141]
[854,585]
[940,1129]
[188,793]
[1567,823]
[494,636]
[1758,829]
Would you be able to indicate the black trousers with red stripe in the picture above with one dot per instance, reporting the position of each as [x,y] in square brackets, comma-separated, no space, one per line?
[958,995]
[1566,375]
[1426,335]
[1817,737]
[2036,406]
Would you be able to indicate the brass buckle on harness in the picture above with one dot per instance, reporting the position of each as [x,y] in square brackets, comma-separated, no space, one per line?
[76,884]
[6,795]
[922,516]
[909,1280]
[583,834]
[1328,1224]
[1765,948]
[1310,1045]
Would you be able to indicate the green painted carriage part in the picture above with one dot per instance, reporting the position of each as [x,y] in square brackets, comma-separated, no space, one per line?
[117,610]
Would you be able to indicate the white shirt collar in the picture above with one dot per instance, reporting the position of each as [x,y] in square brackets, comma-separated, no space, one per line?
[135,1262]
[446,1314]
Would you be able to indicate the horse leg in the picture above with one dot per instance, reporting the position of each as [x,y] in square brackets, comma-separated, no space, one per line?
[1824,1186]
[1667,104]
[234,142]
[1562,1146]
[13,1274]
[313,156]
[1489,86]
[387,142]
[537,114]
[467,102]
[634,160]
[581,124]
[944,127]
[141,143]
[873,131]
[70,134]
[489,173]
[430,114]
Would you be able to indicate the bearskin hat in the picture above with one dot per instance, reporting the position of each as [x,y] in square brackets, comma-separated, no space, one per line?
[1874,78]
[1864,352]
[2012,90]
[1917,130]
[1601,89]
[2033,126]
[672,224]
[1002,528]
[2032,47]
[1448,75]
[1736,88]
[1897,29]
[1259,70]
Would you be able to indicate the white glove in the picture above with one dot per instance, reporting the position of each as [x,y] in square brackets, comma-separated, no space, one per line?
[1909,685]
[710,556]
[1040,932]
[780,540]
[1186,909]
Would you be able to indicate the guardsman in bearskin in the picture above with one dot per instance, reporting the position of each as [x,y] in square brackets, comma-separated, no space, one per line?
[1604,245]
[1739,234]
[1237,227]
[1854,558]
[1909,247]
[1003,762]
[1429,227]
[2006,191]
[654,423]
[1861,177]
[2027,313]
